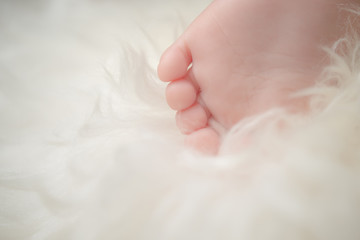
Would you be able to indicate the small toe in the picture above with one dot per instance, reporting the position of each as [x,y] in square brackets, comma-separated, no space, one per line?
[191,119]
[181,94]
[174,62]
[205,140]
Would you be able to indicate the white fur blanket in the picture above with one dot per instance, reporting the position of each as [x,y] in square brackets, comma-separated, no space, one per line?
[89,150]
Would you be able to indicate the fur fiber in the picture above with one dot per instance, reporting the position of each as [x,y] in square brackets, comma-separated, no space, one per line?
[89,150]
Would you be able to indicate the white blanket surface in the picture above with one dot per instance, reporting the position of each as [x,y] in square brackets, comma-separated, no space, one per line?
[89,149]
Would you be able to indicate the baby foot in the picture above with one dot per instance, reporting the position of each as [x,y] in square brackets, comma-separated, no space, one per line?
[243,57]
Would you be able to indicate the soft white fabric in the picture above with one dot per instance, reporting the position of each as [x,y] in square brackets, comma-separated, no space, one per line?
[89,150]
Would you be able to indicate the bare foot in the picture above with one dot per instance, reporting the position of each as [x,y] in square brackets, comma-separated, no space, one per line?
[246,57]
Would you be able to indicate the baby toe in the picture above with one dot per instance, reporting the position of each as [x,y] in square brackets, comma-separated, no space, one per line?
[205,140]
[181,94]
[191,119]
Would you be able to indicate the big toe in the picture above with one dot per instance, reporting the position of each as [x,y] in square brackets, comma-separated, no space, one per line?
[175,61]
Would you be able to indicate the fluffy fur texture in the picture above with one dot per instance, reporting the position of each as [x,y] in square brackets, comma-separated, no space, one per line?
[89,149]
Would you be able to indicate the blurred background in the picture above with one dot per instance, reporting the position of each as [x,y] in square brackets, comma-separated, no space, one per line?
[51,50]
[56,58]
